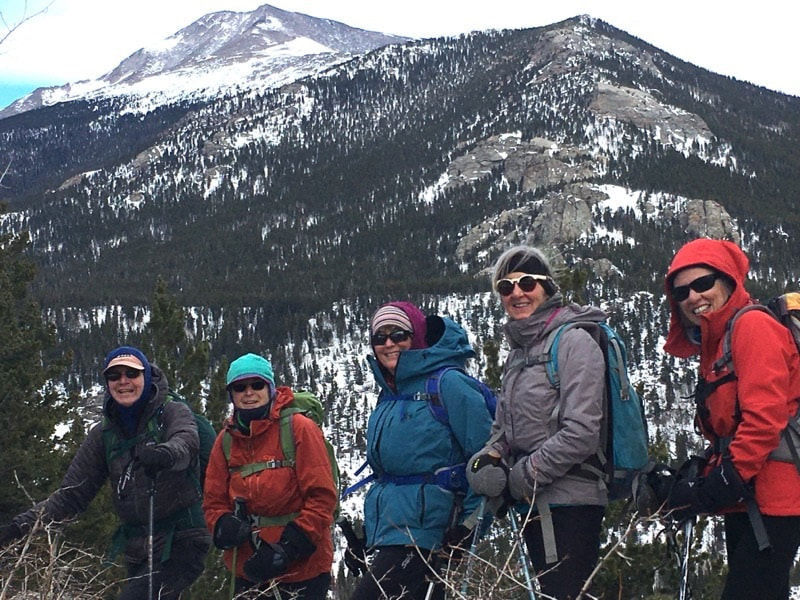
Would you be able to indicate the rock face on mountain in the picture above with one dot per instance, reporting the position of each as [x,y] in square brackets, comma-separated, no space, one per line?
[569,203]
[673,126]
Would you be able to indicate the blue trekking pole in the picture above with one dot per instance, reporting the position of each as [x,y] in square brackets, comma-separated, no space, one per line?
[474,545]
[523,558]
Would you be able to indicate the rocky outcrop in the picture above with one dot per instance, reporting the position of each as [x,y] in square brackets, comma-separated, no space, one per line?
[706,218]
[532,164]
[669,125]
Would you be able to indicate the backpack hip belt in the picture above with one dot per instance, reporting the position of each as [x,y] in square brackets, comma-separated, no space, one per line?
[272,521]
[452,478]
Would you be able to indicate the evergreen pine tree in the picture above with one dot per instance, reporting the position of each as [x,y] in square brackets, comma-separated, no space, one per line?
[184,362]
[30,405]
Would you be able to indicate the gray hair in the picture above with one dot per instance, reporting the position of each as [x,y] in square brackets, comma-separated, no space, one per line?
[526,259]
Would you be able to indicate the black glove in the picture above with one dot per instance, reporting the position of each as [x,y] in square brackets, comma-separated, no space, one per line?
[721,488]
[155,458]
[456,540]
[9,533]
[230,531]
[295,543]
[268,562]
[652,487]
[355,556]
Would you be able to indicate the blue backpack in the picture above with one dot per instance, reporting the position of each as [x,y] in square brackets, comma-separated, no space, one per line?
[433,393]
[624,435]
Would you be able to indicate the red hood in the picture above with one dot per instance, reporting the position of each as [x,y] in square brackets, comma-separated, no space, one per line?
[283,397]
[724,257]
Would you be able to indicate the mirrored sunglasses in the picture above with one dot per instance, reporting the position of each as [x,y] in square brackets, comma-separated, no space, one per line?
[397,336]
[129,373]
[526,283]
[699,285]
[240,386]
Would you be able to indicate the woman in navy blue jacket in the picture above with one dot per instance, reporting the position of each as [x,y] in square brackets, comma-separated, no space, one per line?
[417,446]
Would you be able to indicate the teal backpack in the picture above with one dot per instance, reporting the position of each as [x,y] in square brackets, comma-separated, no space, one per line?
[624,436]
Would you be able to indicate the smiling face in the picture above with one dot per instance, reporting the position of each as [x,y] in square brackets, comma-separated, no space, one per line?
[519,304]
[703,302]
[252,392]
[125,390]
[389,352]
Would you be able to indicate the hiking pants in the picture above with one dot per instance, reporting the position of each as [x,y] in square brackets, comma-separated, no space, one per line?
[315,588]
[185,564]
[577,533]
[759,574]
[397,572]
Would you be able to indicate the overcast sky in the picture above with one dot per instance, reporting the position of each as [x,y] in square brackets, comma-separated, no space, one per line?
[84,39]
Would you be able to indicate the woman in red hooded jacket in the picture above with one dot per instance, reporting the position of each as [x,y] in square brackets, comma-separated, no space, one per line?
[741,414]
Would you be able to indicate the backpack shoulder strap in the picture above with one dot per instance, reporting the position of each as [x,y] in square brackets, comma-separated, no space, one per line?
[288,444]
[433,391]
[726,360]
[227,442]
[550,353]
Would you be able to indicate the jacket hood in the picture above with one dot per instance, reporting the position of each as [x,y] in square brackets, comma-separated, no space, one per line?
[452,348]
[722,256]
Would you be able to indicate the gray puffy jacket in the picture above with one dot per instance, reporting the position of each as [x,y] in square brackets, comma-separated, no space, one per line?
[555,430]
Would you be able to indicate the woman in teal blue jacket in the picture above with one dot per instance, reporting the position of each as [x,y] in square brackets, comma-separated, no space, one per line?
[417,445]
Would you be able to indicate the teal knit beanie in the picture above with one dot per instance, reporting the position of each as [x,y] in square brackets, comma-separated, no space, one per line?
[250,365]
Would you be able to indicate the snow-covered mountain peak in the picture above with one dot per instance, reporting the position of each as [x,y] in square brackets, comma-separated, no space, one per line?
[220,52]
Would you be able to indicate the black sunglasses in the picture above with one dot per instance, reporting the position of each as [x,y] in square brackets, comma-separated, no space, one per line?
[239,386]
[397,336]
[699,285]
[129,373]
[527,283]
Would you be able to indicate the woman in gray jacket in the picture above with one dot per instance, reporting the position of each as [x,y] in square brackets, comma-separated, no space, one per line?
[545,441]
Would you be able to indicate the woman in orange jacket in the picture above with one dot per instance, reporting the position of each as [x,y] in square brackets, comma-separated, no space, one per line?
[742,407]
[273,519]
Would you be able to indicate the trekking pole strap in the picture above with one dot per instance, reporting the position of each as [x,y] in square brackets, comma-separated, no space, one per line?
[757,523]
[548,532]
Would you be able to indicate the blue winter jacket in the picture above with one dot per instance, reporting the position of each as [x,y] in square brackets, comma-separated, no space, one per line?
[404,439]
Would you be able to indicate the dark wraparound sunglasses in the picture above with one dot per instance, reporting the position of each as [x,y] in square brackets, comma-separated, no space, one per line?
[258,384]
[117,375]
[527,283]
[400,335]
[699,285]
